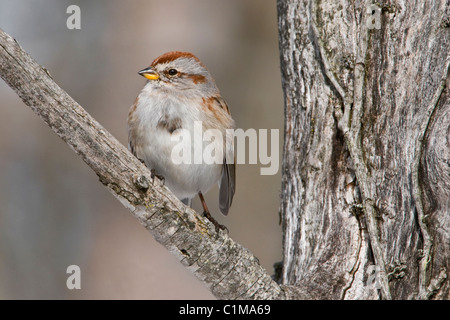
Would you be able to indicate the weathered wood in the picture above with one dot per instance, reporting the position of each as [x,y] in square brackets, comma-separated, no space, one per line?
[366,179]
[229,270]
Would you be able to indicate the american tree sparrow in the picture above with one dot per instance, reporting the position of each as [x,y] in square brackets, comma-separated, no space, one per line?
[180,92]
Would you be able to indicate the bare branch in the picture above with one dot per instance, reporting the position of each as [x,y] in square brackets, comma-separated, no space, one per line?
[229,270]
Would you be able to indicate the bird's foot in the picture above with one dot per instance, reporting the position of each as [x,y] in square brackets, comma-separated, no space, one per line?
[217,225]
[160,177]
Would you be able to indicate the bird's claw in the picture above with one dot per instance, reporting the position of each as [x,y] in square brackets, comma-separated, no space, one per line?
[160,177]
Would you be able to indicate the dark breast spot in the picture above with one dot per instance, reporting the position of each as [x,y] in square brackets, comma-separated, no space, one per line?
[169,124]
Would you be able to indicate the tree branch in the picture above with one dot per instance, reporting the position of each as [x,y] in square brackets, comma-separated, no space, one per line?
[229,270]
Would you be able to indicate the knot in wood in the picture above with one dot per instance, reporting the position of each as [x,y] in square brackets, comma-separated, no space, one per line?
[141,182]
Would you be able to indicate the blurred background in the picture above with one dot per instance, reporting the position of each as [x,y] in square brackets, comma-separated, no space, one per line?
[54,212]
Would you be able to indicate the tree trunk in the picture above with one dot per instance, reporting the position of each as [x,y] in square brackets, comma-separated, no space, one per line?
[366,178]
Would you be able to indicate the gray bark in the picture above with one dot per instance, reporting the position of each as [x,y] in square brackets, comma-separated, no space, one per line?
[229,270]
[366,179]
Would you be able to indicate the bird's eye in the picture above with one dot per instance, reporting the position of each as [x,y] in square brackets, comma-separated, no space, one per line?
[172,72]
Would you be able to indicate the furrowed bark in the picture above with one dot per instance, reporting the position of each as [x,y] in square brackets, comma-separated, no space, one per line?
[366,183]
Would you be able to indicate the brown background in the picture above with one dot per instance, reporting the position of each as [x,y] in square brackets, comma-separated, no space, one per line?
[53,211]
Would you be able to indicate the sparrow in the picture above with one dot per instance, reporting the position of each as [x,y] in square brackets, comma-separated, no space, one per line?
[179,94]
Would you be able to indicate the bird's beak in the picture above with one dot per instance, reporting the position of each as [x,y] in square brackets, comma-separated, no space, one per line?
[149,73]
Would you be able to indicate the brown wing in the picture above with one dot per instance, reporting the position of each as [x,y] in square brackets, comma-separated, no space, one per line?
[131,144]
[131,133]
[221,103]
[227,186]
